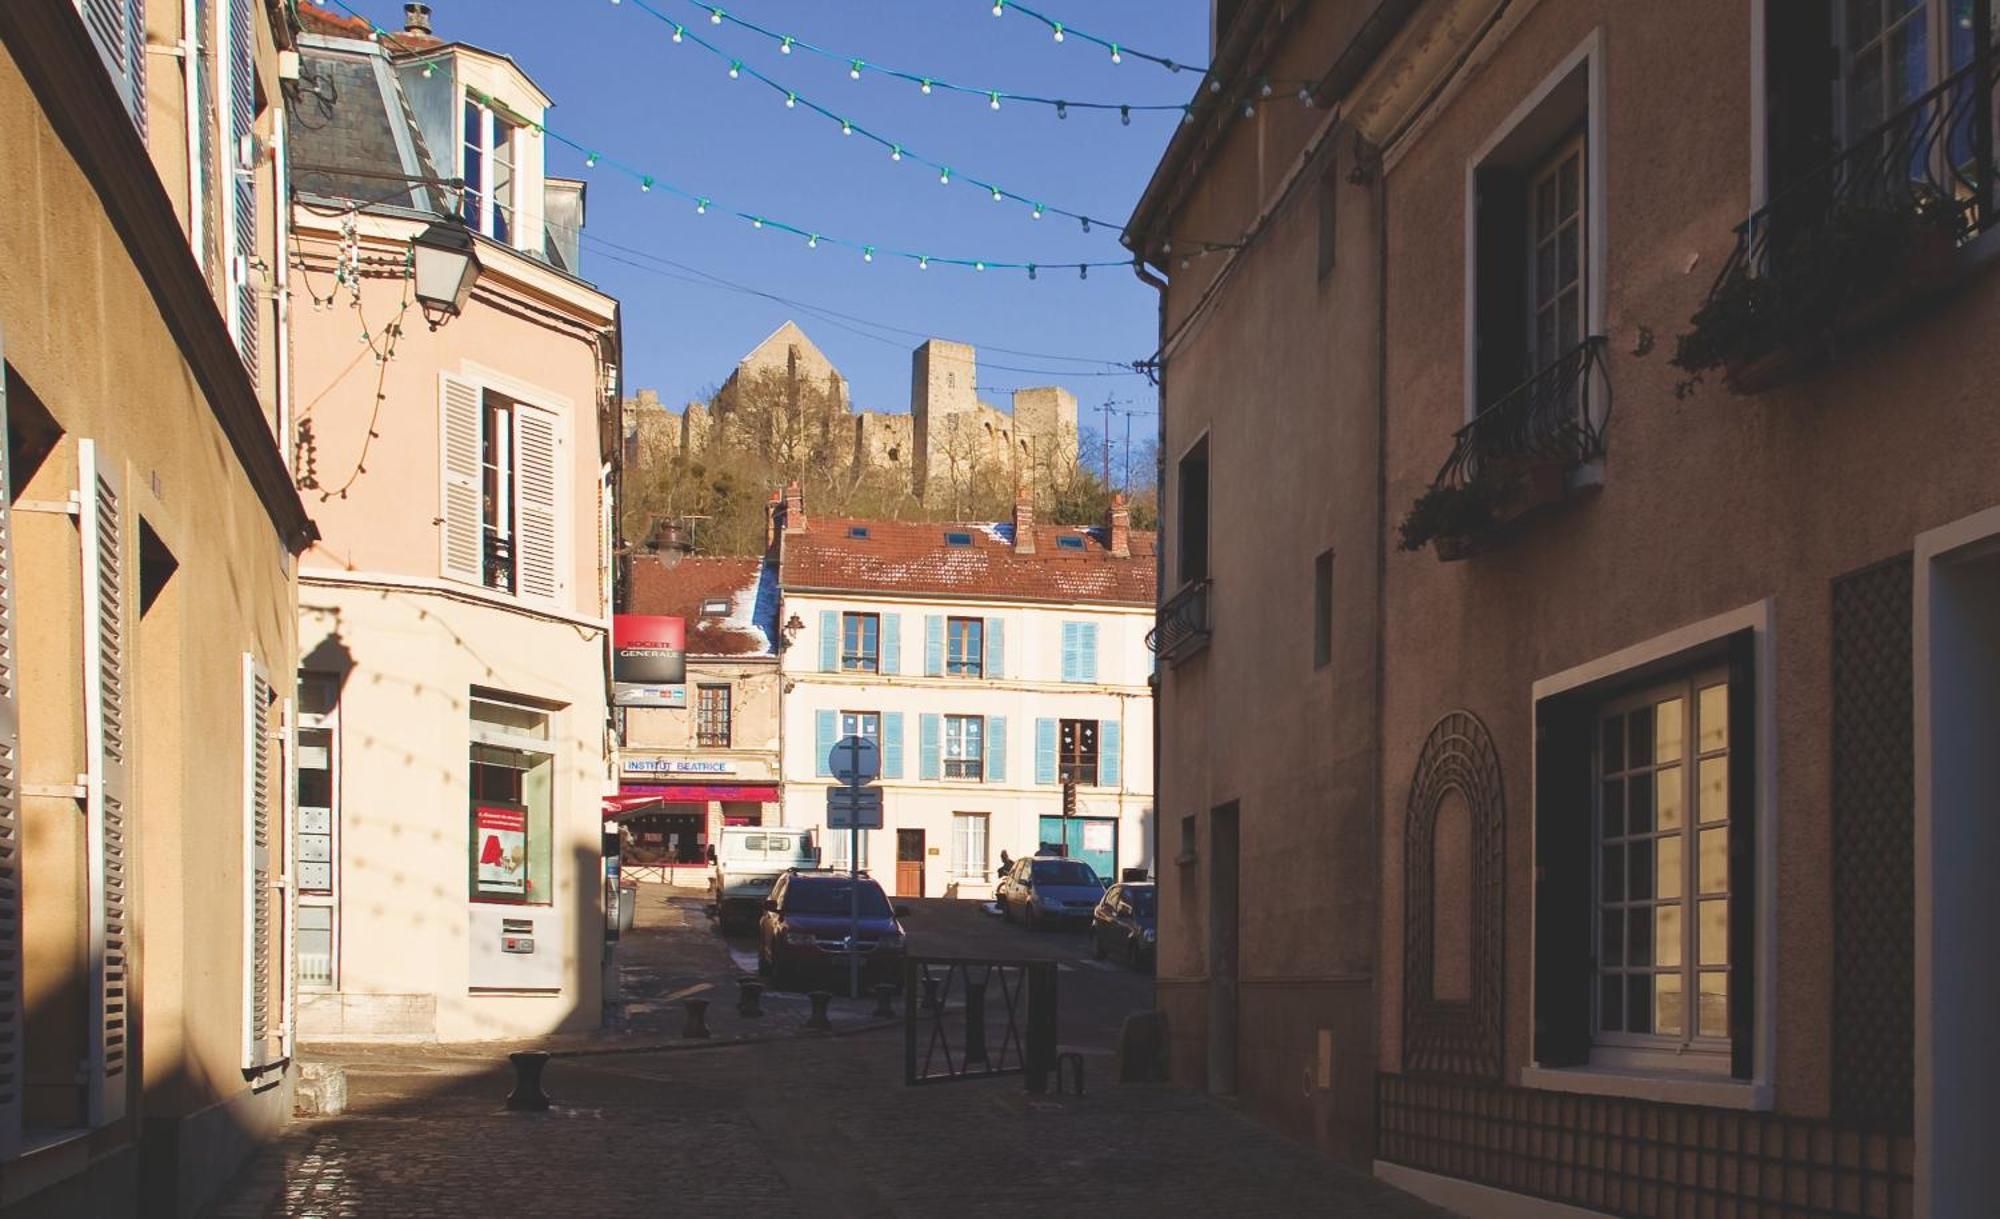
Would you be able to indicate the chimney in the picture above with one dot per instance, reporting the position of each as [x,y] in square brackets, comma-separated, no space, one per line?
[417,19]
[1121,528]
[795,508]
[1024,525]
[670,542]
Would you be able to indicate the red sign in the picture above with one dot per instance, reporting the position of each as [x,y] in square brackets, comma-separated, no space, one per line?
[648,650]
[503,850]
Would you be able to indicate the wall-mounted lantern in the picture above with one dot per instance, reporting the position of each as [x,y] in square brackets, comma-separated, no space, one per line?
[444,266]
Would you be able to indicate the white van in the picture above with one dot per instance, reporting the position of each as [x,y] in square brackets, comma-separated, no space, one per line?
[748,859]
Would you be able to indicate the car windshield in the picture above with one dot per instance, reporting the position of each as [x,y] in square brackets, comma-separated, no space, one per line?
[822,897]
[1142,901]
[1063,872]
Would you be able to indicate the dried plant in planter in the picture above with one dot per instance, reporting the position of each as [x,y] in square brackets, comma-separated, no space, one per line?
[1451,510]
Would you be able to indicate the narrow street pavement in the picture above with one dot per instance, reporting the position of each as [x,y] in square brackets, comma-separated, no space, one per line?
[790,1123]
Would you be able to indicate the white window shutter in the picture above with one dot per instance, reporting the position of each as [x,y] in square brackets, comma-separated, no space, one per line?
[538,550]
[11,1064]
[107,758]
[239,158]
[262,773]
[287,893]
[461,543]
[118,29]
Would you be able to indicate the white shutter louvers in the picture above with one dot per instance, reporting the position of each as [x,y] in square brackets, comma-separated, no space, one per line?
[461,543]
[240,156]
[263,765]
[538,546]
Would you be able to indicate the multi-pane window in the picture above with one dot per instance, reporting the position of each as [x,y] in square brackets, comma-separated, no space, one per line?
[1077,741]
[860,643]
[867,724]
[317,834]
[1662,884]
[489,171]
[968,845]
[511,778]
[1556,256]
[496,492]
[965,647]
[711,724]
[964,746]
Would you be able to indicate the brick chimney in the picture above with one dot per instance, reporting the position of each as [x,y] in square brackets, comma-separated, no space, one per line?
[417,19]
[1121,528]
[795,508]
[1024,525]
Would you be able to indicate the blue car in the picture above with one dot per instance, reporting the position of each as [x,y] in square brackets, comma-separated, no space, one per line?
[1124,925]
[1048,891]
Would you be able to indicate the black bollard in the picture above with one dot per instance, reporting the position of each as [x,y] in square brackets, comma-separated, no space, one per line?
[818,1020]
[750,997]
[1075,1061]
[527,1093]
[885,1000]
[697,1018]
[975,1022]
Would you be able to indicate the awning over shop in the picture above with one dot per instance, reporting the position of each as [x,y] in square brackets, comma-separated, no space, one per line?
[637,797]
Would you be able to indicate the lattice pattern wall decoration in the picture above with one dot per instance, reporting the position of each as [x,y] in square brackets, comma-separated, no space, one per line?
[1454,1038]
[1643,1158]
[1874,859]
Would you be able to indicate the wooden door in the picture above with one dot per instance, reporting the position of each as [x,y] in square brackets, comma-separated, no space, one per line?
[909,863]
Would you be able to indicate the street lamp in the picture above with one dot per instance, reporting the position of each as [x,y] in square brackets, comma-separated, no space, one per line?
[444,266]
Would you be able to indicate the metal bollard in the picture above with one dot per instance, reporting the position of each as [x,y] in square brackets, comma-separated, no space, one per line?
[749,997]
[527,1093]
[885,1001]
[818,1020]
[697,1018]
[1075,1061]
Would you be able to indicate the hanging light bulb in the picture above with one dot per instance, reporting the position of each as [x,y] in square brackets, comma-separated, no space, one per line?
[846,128]
[735,68]
[1062,110]
[1125,115]
[1037,213]
[1086,223]
[1031,270]
[1059,32]
[1306,96]
[701,207]
[645,184]
[1171,65]
[1264,86]
[678,31]
[1184,263]
[812,242]
[785,47]
[1215,84]
[1249,109]
[791,100]
[999,7]
[994,98]
[944,175]
[854,70]
[756,222]
[1187,114]
[590,162]
[996,194]
[927,86]
[868,253]
[1115,56]
[979,266]
[895,152]
[715,16]
[1083,270]
[429,69]
[1166,247]
[923,263]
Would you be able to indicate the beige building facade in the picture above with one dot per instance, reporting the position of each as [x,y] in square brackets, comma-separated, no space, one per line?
[147,630]
[1647,814]
[454,617]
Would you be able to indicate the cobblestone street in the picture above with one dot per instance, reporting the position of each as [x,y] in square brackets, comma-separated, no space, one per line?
[807,1124]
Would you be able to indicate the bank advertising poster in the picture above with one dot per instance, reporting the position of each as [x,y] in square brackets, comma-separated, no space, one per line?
[503,851]
[648,660]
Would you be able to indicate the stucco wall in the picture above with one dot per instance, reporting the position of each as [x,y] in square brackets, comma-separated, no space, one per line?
[753,710]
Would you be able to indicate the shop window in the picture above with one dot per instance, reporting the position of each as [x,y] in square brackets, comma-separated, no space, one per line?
[511,847]
[968,845]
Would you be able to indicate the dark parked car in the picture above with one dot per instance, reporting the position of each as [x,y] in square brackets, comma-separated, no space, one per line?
[1047,889]
[805,927]
[1124,924]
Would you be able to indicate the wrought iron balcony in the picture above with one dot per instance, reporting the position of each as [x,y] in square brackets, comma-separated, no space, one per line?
[499,561]
[1555,417]
[1183,625]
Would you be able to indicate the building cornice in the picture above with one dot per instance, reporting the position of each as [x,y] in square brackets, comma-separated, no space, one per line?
[888,597]
[462,593]
[52,50]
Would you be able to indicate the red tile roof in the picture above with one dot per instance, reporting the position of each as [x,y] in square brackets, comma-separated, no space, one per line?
[317,20]
[913,557]
[678,590]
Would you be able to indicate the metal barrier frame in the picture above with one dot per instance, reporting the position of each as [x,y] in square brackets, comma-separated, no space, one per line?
[1027,1040]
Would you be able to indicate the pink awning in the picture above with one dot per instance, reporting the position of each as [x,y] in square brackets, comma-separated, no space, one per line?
[633,797]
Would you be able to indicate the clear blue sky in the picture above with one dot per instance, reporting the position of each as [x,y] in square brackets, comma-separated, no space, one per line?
[621,86]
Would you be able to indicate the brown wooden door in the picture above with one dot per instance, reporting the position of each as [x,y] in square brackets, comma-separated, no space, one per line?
[909,863]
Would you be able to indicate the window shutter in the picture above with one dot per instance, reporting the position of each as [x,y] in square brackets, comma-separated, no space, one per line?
[1743,895]
[930,733]
[996,647]
[1109,771]
[892,643]
[239,155]
[538,549]
[1070,660]
[460,543]
[287,893]
[829,641]
[996,749]
[201,139]
[1045,751]
[892,744]
[933,645]
[11,1065]
[1086,651]
[825,725]
[1563,915]
[118,28]
[262,773]
[107,758]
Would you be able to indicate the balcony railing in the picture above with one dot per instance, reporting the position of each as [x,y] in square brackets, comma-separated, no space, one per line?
[1183,625]
[1555,417]
[499,561]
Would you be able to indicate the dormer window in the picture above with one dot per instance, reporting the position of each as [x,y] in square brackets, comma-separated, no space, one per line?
[490,156]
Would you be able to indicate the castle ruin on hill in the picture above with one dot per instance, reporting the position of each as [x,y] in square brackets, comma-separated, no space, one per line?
[785,399]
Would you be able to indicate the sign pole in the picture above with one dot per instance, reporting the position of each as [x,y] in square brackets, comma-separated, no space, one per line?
[854,910]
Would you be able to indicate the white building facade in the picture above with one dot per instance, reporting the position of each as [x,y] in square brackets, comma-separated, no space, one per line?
[990,673]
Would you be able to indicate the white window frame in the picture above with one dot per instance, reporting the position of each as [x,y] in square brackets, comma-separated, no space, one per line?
[1549,169]
[489,119]
[329,900]
[1682,1087]
[962,866]
[480,381]
[945,760]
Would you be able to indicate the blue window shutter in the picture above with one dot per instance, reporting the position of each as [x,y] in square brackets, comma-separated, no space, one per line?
[996,647]
[1086,651]
[892,643]
[1069,651]
[892,744]
[1045,751]
[824,728]
[933,645]
[930,745]
[996,749]
[1108,772]
[829,641]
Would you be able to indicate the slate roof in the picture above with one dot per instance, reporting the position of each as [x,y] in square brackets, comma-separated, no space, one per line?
[678,590]
[914,557]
